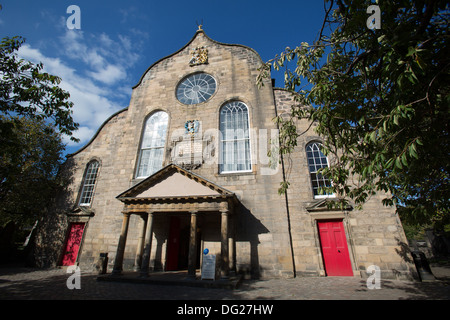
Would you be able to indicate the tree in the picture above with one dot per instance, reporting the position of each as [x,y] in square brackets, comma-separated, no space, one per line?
[380,100]
[34,113]
[30,157]
[27,91]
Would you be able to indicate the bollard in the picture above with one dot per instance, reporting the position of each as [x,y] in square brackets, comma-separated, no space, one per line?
[103,263]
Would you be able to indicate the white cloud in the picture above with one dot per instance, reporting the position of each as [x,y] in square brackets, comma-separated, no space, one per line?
[109,75]
[101,53]
[92,92]
[75,47]
[94,70]
[83,133]
[91,105]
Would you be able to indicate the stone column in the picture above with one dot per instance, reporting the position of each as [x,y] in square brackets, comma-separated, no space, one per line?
[192,246]
[224,265]
[140,246]
[118,263]
[148,246]
[232,244]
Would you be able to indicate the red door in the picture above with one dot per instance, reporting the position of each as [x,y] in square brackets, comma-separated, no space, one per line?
[173,244]
[73,243]
[334,248]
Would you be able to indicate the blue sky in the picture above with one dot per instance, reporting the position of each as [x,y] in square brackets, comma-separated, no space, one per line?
[118,40]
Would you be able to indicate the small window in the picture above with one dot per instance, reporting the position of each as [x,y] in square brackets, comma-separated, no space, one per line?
[90,177]
[151,154]
[316,161]
[235,138]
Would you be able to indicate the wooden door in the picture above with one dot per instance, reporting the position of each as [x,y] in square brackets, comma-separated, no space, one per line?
[173,244]
[334,248]
[73,244]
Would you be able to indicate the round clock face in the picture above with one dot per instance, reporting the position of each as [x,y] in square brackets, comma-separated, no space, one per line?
[196,88]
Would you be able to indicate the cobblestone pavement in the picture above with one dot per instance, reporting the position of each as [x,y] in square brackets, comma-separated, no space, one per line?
[30,284]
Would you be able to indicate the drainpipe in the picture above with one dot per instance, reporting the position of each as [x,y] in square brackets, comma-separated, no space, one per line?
[286,199]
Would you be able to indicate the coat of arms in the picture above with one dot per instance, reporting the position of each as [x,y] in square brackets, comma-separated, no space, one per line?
[191,126]
[199,56]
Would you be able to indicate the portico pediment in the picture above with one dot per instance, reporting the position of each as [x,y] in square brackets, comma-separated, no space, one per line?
[174,182]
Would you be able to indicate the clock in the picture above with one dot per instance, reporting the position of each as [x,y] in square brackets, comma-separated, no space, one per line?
[196,88]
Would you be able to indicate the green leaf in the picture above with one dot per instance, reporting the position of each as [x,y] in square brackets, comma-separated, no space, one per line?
[411,51]
[396,119]
[413,151]
[398,163]
[404,161]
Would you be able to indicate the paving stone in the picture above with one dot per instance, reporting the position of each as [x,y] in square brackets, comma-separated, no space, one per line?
[32,284]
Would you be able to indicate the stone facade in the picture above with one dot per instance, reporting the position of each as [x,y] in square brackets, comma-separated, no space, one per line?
[270,235]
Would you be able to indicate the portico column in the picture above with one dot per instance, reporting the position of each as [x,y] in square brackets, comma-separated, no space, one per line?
[232,244]
[192,259]
[224,266]
[140,246]
[118,263]
[148,246]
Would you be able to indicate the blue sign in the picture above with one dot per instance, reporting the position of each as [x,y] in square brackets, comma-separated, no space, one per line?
[205,251]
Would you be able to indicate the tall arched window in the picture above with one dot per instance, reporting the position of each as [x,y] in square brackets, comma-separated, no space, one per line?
[151,154]
[90,177]
[316,161]
[235,138]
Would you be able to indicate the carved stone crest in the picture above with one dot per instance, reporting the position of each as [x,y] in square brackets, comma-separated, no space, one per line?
[199,56]
[191,147]
[191,126]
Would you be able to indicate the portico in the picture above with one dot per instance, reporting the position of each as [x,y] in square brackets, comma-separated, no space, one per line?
[176,192]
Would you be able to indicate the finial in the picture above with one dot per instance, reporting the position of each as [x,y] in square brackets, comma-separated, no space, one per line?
[200,26]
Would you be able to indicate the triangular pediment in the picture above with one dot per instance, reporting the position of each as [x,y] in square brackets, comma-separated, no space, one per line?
[174,182]
[327,204]
[81,211]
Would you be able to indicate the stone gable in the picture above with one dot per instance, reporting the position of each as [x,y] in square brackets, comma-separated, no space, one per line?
[270,235]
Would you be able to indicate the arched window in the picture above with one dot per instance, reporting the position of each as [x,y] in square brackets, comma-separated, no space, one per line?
[235,138]
[316,161]
[151,154]
[90,177]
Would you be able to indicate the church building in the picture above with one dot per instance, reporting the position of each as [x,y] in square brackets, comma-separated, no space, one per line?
[185,168]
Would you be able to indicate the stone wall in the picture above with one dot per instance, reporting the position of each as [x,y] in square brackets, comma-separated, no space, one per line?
[374,234]
[272,239]
[262,242]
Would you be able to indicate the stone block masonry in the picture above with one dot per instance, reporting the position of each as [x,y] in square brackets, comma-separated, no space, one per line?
[271,235]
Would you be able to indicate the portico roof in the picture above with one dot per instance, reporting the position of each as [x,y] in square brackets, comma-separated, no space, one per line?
[175,185]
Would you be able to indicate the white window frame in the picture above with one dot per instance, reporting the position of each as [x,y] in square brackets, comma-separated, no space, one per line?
[89,183]
[318,144]
[205,86]
[157,142]
[246,139]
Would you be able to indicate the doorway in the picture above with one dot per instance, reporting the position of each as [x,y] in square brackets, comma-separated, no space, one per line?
[72,244]
[334,248]
[178,244]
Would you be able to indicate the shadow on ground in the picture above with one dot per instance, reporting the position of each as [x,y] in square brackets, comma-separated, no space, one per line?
[31,284]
